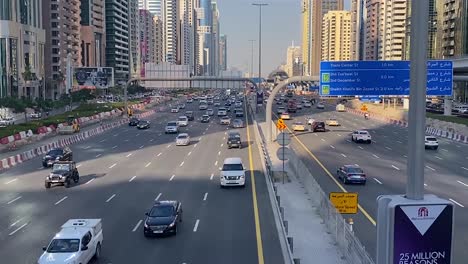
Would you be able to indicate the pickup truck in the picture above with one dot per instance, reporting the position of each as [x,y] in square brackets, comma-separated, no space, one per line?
[78,241]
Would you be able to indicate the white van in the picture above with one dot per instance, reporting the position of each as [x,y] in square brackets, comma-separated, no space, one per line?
[232,173]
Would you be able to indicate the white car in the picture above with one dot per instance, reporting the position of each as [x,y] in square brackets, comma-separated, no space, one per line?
[238,104]
[320,105]
[36,115]
[175,110]
[332,122]
[298,126]
[78,241]
[222,111]
[210,112]
[171,127]
[202,107]
[310,120]
[225,120]
[182,106]
[431,142]
[189,101]
[183,121]
[285,116]
[307,104]
[216,104]
[340,108]
[232,173]
[280,110]
[7,121]
[361,136]
[183,139]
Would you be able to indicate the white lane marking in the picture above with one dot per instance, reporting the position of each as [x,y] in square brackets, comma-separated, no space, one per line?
[219,153]
[102,141]
[16,222]
[126,140]
[373,141]
[211,177]
[137,134]
[439,158]
[131,179]
[464,168]
[160,153]
[462,183]
[204,133]
[216,163]
[200,139]
[343,155]
[129,154]
[331,146]
[79,165]
[168,146]
[394,132]
[349,141]
[182,164]
[195,145]
[204,197]
[116,135]
[432,169]
[98,155]
[322,139]
[224,138]
[338,135]
[405,156]
[151,140]
[395,167]
[110,198]
[88,182]
[458,146]
[360,147]
[399,142]
[455,202]
[18,229]
[316,135]
[206,129]
[379,182]
[137,225]
[388,148]
[160,134]
[425,185]
[114,147]
[172,177]
[61,200]
[142,146]
[446,150]
[375,156]
[157,197]
[222,145]
[225,133]
[190,153]
[148,164]
[112,166]
[196,225]
[10,181]
[87,147]
[14,200]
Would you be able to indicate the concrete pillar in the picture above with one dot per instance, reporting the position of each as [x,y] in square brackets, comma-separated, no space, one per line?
[447,106]
[406,103]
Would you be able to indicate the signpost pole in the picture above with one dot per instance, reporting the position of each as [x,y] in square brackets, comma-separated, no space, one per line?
[283,158]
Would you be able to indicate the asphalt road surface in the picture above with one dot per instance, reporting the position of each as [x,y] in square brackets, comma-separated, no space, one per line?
[384,161]
[123,172]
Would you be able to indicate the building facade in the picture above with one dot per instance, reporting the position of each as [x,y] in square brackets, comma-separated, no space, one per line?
[336,36]
[22,47]
[223,52]
[93,38]
[214,51]
[117,39]
[134,38]
[293,65]
[170,18]
[158,40]
[306,35]
[154,6]
[61,20]
[185,48]
[357,29]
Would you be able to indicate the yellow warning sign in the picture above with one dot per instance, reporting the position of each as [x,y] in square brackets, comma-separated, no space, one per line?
[345,203]
[280,124]
[364,108]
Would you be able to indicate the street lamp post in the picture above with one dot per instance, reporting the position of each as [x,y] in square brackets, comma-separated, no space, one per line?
[251,57]
[260,5]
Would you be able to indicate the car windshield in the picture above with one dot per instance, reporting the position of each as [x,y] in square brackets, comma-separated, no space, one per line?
[182,118]
[61,167]
[64,246]
[143,122]
[55,152]
[232,167]
[354,170]
[363,132]
[205,117]
[162,211]
[172,124]
[431,139]
[182,137]
[133,120]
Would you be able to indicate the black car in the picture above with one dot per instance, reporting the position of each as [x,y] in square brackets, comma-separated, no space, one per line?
[189,115]
[63,173]
[318,126]
[163,218]
[239,112]
[133,122]
[351,174]
[143,124]
[205,119]
[234,140]
[228,103]
[57,154]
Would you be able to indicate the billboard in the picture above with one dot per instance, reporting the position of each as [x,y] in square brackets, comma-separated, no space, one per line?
[360,78]
[93,77]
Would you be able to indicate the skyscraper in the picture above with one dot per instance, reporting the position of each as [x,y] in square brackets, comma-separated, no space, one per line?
[170,18]
[455,30]
[207,30]
[306,35]
[336,36]
[223,52]
[214,49]
[186,32]
[117,39]
[134,38]
[154,6]
[62,24]
[22,41]
[92,33]
[147,38]
[357,29]
[293,65]
[158,40]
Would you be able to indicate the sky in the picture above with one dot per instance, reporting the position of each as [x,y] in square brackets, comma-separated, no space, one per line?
[281,26]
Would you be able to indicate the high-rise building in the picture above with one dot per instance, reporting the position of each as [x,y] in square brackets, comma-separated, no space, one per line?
[455,29]
[357,29]
[206,31]
[312,15]
[117,39]
[214,51]
[154,6]
[336,36]
[147,39]
[134,38]
[371,34]
[61,21]
[22,42]
[92,33]
[223,52]
[170,18]
[158,40]
[185,48]
[294,64]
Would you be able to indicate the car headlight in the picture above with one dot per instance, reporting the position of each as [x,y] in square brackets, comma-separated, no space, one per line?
[146,225]
[172,224]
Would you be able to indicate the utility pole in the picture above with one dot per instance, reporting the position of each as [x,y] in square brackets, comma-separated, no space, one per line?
[251,57]
[260,5]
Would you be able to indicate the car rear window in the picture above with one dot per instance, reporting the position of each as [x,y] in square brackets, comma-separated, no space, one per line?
[182,137]
[363,133]
[431,139]
[355,170]
[172,124]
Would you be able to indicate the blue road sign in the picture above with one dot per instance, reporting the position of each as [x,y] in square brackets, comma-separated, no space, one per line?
[314,88]
[351,78]
[370,98]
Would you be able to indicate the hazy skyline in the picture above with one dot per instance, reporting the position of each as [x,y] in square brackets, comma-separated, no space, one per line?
[281,25]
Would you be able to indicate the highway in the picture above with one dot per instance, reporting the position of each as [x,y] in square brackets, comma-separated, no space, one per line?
[123,171]
[384,161]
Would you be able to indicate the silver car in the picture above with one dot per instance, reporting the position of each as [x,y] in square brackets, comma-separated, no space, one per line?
[237,123]
[183,139]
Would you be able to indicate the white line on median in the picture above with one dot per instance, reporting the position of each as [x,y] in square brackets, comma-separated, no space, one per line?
[195,145]
[110,198]
[462,183]
[61,200]
[148,164]
[157,197]
[395,167]
[98,155]
[137,225]
[432,169]
[131,179]
[196,225]
[18,229]
[349,141]
[87,147]
[102,141]
[425,185]
[316,135]
[137,134]
[182,164]
[455,202]
[151,140]
[160,153]
[222,144]
[172,177]
[343,155]
[379,182]
[399,142]
[114,147]
[88,182]
[439,158]
[204,197]
[14,200]
[375,156]
[129,154]
[405,156]
[204,133]
[212,175]
[10,181]
[116,135]
[112,166]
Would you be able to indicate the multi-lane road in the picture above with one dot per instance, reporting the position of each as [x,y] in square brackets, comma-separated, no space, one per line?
[123,172]
[384,161]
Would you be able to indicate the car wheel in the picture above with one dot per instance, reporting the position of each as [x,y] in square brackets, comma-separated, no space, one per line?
[175,230]
[369,141]
[97,253]
[67,184]
[435,148]
[47,185]
[221,186]
[77,178]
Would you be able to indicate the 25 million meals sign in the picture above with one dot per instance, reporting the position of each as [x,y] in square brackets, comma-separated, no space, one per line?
[420,234]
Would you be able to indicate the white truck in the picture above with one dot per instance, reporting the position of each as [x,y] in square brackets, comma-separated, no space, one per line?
[340,108]
[78,241]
